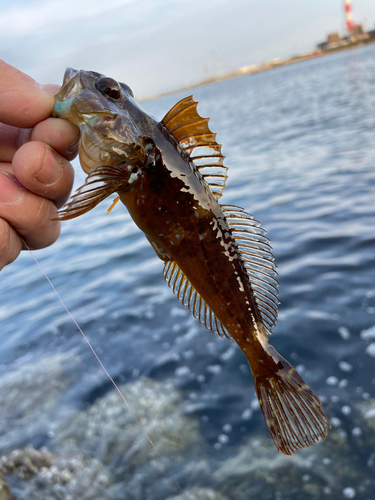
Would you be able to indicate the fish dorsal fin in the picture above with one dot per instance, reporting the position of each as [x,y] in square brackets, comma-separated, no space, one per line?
[190,298]
[99,184]
[256,253]
[192,133]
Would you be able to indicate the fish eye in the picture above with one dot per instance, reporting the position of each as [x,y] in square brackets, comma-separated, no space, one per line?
[109,87]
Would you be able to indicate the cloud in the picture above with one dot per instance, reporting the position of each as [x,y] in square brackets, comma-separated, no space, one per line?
[51,15]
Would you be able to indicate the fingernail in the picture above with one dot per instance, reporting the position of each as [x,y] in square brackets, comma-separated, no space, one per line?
[49,172]
[11,191]
[72,150]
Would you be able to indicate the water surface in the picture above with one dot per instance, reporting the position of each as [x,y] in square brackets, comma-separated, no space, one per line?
[300,144]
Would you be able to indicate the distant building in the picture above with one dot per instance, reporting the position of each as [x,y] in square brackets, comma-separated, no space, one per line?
[271,64]
[321,46]
[248,69]
[333,41]
[333,38]
[357,33]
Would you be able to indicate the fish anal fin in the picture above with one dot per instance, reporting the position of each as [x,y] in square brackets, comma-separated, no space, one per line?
[190,298]
[99,184]
[256,254]
[159,250]
[193,134]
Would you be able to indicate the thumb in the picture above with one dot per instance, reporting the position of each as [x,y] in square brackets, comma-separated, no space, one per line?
[23,102]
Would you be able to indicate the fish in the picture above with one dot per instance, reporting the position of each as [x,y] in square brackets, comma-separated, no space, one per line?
[218,261]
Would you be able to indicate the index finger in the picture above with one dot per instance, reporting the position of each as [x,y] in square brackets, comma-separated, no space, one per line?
[23,102]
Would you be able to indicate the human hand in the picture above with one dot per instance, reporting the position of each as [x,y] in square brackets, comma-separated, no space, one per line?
[36,177]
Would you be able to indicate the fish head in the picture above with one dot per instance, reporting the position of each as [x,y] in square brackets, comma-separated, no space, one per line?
[114,128]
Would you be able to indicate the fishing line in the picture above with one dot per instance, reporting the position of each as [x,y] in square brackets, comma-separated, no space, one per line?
[101,364]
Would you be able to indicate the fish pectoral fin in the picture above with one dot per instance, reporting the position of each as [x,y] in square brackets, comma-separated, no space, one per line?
[159,250]
[100,184]
[193,134]
[190,298]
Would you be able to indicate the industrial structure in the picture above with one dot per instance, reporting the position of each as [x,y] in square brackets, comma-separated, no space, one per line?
[354,33]
[349,16]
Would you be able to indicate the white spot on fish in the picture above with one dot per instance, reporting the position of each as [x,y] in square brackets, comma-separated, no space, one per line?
[133,178]
[119,151]
[240,283]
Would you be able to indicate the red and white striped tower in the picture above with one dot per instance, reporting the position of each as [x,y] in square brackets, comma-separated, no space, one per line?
[349,15]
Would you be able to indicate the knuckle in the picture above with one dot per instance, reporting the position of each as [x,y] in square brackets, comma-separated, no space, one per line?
[45,230]
[4,236]
[10,244]
[42,216]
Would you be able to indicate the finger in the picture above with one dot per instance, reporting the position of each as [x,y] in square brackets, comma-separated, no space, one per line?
[61,135]
[10,244]
[28,214]
[44,172]
[11,138]
[23,103]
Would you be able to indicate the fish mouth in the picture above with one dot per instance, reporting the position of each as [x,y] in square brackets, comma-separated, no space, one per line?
[69,74]
[70,84]
[65,96]
[68,103]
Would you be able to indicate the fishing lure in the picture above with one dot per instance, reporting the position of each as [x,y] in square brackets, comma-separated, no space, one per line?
[170,176]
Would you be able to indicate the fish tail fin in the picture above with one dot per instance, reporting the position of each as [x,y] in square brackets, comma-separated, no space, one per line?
[291,410]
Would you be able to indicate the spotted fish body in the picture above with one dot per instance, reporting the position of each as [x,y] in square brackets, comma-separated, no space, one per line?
[218,261]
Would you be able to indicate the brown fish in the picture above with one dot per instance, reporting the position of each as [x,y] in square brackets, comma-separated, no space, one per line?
[170,176]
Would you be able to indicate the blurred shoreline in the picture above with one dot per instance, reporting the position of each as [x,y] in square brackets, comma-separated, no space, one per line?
[266,66]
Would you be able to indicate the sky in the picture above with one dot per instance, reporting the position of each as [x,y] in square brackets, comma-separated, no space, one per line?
[160,45]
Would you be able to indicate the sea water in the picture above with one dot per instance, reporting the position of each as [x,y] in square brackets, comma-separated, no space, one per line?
[300,147]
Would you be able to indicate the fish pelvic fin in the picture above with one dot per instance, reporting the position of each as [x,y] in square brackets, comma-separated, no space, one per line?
[291,410]
[115,201]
